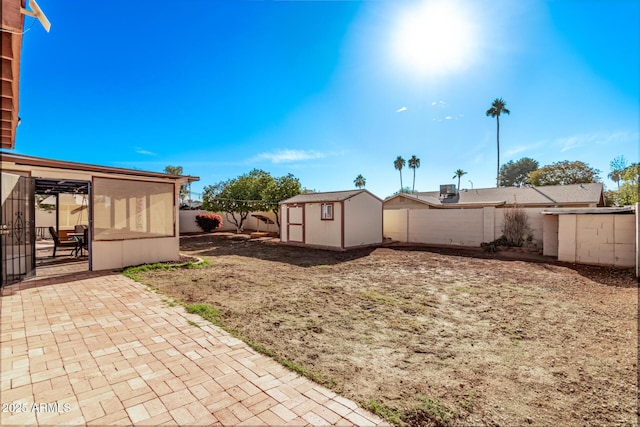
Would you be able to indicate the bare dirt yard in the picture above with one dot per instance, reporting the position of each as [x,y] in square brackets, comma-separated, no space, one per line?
[429,336]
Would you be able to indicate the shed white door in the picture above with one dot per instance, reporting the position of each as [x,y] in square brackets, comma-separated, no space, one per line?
[295,223]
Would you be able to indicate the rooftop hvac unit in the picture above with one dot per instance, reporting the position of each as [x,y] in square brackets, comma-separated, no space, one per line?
[447,190]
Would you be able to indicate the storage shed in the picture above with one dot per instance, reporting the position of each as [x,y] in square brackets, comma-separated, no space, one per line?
[337,220]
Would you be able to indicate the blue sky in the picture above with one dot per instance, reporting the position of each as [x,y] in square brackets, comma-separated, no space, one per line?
[328,90]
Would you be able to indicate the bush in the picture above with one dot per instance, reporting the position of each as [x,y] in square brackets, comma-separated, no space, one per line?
[208,222]
[516,225]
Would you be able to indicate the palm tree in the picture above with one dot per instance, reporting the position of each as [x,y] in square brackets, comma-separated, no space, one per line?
[414,163]
[618,165]
[360,181]
[399,164]
[459,174]
[498,107]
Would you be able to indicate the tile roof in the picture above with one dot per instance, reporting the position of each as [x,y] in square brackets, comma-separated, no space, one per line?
[546,195]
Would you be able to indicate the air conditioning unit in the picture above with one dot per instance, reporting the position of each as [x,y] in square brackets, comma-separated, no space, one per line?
[447,190]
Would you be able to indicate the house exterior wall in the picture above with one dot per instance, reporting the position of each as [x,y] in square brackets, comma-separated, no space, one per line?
[188,222]
[404,203]
[325,233]
[597,239]
[362,221]
[396,224]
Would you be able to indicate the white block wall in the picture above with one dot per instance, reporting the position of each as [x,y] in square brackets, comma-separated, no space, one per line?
[188,222]
[598,239]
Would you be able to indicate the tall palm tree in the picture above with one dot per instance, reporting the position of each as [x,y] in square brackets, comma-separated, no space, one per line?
[360,181]
[399,164]
[414,163]
[618,165]
[497,108]
[459,174]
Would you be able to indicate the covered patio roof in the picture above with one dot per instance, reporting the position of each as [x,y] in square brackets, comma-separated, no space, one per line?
[45,186]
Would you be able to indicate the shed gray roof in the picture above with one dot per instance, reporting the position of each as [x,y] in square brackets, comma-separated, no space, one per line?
[330,196]
[546,195]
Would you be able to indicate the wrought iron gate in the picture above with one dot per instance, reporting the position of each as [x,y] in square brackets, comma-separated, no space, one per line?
[17,229]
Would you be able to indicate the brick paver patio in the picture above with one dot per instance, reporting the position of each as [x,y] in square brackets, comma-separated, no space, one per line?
[104,350]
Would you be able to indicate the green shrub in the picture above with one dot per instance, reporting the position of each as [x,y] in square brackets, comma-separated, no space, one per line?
[208,222]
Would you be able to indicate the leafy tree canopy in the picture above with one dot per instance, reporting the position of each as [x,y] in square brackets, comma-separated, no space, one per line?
[564,173]
[517,173]
[252,192]
[279,189]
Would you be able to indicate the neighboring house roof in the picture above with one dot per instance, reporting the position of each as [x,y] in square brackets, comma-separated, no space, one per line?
[330,196]
[542,196]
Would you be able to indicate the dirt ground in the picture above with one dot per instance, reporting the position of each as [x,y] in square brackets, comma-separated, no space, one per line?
[432,336]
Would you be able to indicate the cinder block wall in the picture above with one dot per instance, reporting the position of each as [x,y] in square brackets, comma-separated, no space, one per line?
[598,239]
[188,222]
[461,227]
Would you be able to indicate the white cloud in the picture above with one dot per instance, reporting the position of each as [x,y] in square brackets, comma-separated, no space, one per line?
[289,156]
[401,109]
[575,141]
[145,152]
[439,104]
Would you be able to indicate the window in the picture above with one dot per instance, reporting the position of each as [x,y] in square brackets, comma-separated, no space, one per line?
[133,209]
[327,211]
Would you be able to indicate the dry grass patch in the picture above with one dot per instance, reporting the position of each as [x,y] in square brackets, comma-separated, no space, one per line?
[428,338]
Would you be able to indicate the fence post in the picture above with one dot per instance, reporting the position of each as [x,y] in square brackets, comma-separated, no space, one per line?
[638,239]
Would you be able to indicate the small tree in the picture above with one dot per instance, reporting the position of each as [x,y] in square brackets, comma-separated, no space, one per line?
[208,221]
[516,225]
[238,197]
[280,189]
[360,181]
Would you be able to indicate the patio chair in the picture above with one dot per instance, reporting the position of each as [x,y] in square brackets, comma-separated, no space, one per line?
[63,244]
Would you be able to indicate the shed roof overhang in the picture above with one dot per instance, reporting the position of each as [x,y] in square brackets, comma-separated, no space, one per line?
[12,26]
[589,211]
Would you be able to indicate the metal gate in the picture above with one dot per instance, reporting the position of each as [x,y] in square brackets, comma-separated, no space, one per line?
[17,229]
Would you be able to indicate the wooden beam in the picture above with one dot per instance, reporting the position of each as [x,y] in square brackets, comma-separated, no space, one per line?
[5,46]
[11,19]
[6,104]
[7,70]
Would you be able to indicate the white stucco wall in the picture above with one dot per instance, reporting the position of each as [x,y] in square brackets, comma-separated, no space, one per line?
[362,221]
